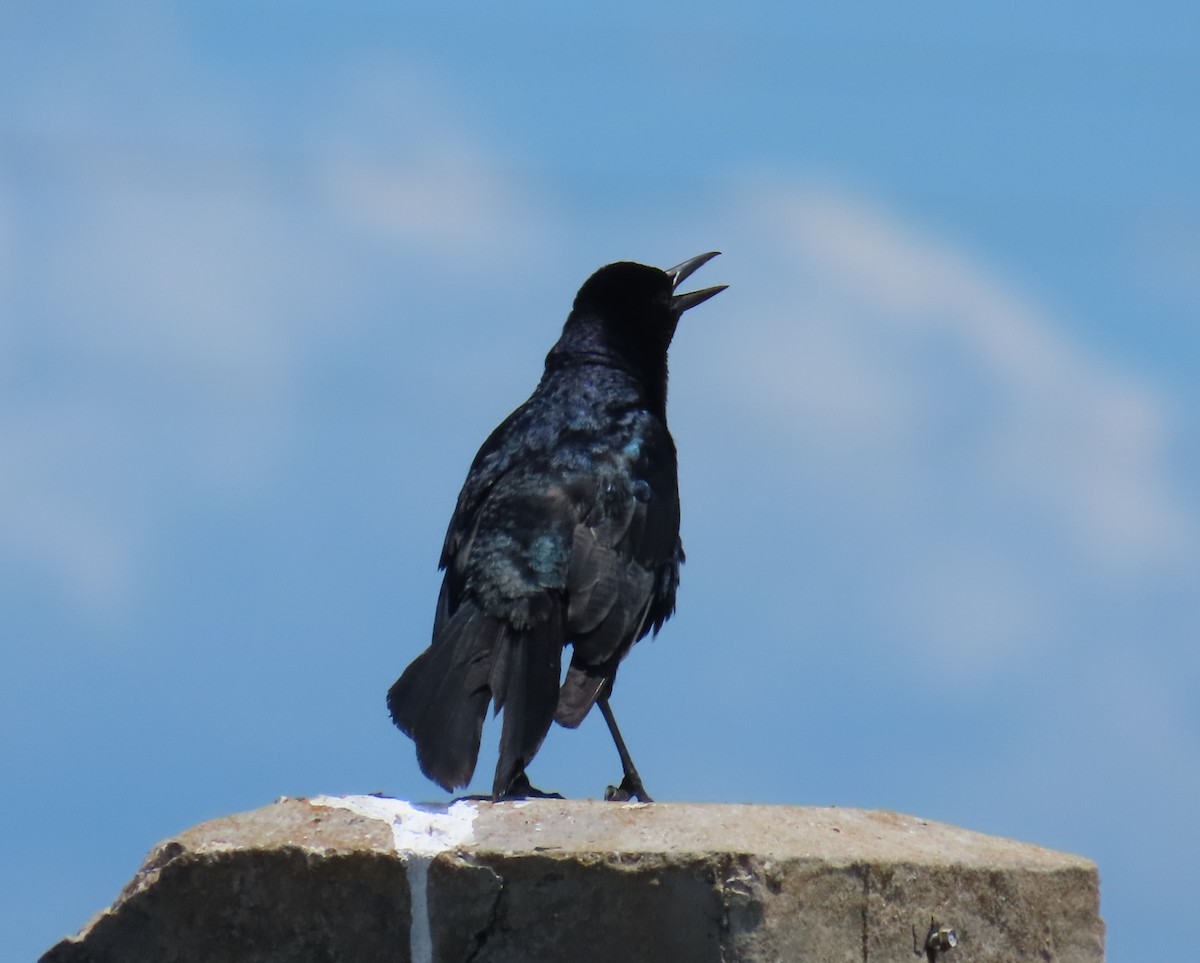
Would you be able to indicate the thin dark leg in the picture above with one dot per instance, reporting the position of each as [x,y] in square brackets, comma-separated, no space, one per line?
[631,786]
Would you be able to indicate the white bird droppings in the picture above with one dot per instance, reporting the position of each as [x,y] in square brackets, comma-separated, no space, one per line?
[418,835]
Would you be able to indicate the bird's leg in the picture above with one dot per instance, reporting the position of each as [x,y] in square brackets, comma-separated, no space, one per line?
[631,786]
[519,788]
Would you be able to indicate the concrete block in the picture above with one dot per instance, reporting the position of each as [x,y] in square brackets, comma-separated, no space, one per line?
[362,878]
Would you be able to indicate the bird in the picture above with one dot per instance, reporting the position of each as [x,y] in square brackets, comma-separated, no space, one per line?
[565,533]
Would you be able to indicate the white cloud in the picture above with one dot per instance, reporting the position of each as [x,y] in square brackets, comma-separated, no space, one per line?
[990,473]
[205,299]
[175,296]
[59,517]
[398,162]
[7,267]
[165,328]
[905,342]
[437,198]
[973,609]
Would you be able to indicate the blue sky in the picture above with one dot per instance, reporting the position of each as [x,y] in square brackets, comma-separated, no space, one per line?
[269,273]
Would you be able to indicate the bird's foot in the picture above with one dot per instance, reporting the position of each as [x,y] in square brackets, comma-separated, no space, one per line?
[631,788]
[520,788]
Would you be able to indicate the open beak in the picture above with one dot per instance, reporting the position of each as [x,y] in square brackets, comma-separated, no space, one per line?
[681,272]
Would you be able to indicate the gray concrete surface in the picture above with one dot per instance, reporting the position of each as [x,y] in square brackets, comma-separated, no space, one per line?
[361,879]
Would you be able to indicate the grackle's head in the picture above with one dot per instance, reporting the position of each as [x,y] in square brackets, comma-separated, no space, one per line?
[637,304]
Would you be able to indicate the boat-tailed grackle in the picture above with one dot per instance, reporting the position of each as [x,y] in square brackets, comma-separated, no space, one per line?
[566,532]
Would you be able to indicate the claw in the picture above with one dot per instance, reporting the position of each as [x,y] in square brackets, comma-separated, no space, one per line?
[630,788]
[520,788]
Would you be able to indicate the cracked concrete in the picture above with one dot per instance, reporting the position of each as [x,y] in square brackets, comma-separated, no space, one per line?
[333,879]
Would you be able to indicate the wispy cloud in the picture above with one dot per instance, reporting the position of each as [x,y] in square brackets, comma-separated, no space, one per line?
[898,335]
[60,522]
[190,307]
[169,311]
[404,161]
[993,471]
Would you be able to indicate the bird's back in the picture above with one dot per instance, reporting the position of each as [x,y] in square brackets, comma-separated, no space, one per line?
[582,461]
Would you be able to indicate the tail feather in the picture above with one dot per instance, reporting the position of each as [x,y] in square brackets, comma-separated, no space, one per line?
[528,690]
[442,697]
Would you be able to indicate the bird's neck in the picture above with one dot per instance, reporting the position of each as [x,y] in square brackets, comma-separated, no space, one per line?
[645,377]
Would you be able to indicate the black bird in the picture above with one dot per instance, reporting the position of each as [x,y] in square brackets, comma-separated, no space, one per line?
[566,532]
